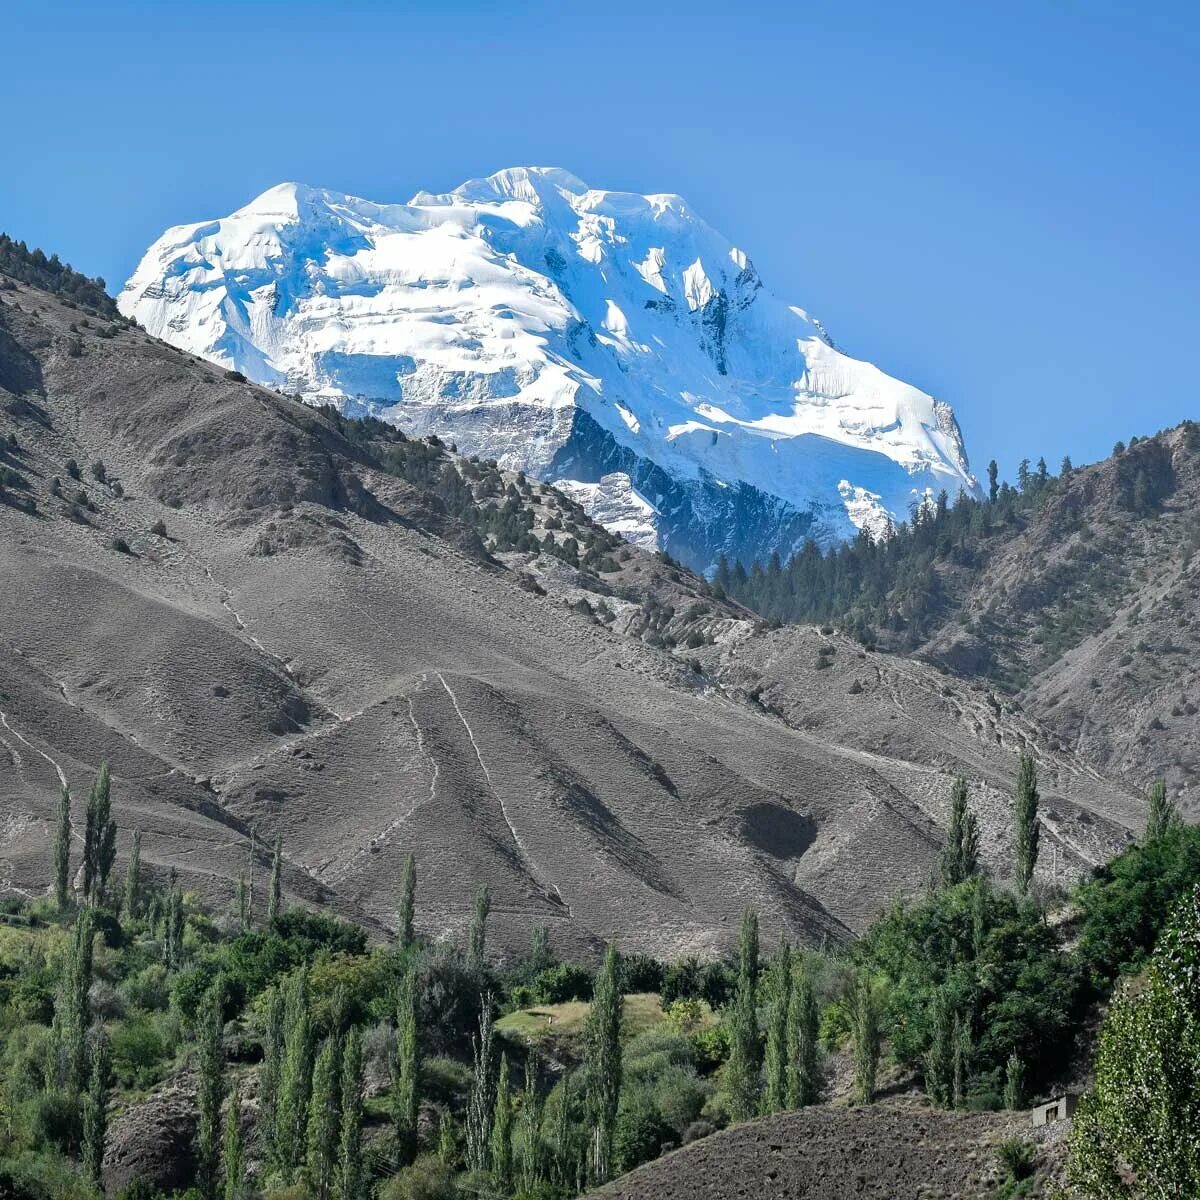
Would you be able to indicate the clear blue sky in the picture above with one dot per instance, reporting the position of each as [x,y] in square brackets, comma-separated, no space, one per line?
[998,202]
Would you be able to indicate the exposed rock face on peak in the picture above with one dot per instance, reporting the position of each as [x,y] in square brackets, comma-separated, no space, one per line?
[566,331]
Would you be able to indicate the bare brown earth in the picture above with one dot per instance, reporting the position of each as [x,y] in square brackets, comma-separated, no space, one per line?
[894,1151]
[316,649]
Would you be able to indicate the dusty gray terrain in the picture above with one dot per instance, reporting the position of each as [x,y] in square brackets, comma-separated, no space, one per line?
[316,648]
[894,1151]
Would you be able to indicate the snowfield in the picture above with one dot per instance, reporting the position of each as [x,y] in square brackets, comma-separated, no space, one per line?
[604,338]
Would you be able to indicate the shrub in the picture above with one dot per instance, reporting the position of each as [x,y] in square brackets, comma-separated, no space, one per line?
[159,528]
[427,1179]
[99,473]
[1017,1157]
[563,982]
[138,1049]
[641,973]
[73,470]
[640,1131]
[56,1121]
[121,546]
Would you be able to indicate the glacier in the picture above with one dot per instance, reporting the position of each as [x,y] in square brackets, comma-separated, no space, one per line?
[610,342]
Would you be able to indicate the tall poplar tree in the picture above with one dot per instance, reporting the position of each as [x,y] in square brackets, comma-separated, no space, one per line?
[72,1007]
[1162,816]
[530,1145]
[275,893]
[270,1074]
[406,1068]
[960,856]
[324,1119]
[62,851]
[99,838]
[804,1082]
[210,1062]
[233,1152]
[776,1096]
[602,1061]
[1025,823]
[864,1025]
[482,1101]
[502,1131]
[350,1176]
[133,878]
[742,1069]
[295,1086]
[95,1110]
[477,937]
[405,928]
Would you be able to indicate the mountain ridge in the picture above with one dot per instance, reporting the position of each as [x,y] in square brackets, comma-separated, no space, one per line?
[570,332]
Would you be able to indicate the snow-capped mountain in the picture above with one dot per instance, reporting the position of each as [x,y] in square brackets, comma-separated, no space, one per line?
[604,338]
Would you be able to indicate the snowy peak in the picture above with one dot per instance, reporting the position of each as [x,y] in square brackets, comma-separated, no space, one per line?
[607,338]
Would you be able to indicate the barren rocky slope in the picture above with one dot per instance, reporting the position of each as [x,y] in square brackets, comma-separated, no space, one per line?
[318,647]
[897,1151]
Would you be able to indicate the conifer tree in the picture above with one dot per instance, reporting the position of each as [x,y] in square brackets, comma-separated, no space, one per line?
[350,1177]
[960,856]
[211,1070]
[602,1061]
[477,937]
[1162,816]
[95,1101]
[1066,467]
[742,1069]
[804,1020]
[405,930]
[864,1024]
[270,1076]
[776,1096]
[1025,815]
[502,1131]
[233,1152]
[324,1119]
[295,1086]
[276,887]
[406,1068]
[62,851]
[993,474]
[482,1101]
[133,878]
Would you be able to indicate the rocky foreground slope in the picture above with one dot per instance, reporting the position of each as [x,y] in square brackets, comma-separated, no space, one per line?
[604,338]
[371,646]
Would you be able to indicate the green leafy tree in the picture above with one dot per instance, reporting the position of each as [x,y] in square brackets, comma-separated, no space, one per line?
[324,1119]
[482,1101]
[62,851]
[95,1106]
[275,891]
[961,1060]
[864,1025]
[940,1057]
[405,929]
[477,935]
[406,1069]
[1134,1136]
[502,1131]
[1162,816]
[602,1062]
[742,1070]
[351,1179]
[233,1152]
[133,878]
[960,856]
[804,1019]
[1025,823]
[210,1063]
[776,1096]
